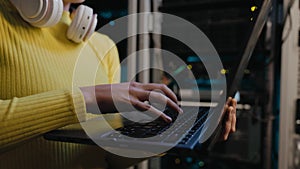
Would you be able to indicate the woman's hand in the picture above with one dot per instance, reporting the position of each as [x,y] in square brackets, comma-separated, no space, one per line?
[229,120]
[129,96]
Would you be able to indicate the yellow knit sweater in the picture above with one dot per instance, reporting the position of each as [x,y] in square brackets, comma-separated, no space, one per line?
[36,71]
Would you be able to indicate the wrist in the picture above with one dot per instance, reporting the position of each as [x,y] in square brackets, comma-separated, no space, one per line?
[89,99]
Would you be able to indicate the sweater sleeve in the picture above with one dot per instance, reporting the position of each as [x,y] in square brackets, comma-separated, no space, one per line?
[108,55]
[113,63]
[27,117]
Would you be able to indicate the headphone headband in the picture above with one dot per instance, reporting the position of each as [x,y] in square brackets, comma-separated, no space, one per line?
[40,13]
[47,13]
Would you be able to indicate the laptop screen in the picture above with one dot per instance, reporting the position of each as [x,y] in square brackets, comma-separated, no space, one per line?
[234,81]
[239,70]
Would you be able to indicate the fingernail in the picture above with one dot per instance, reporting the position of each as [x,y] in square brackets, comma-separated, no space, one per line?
[169,119]
[180,111]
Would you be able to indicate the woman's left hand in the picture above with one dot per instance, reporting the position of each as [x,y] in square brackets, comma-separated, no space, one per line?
[229,120]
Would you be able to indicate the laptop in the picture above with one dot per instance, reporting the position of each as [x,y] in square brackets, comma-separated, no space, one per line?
[185,132]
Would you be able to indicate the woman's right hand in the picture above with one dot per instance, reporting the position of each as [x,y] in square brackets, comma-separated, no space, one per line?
[129,96]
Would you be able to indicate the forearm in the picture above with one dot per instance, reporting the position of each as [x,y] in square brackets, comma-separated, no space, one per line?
[28,117]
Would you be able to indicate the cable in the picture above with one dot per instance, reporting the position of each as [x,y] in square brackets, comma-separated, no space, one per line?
[288,16]
[290,27]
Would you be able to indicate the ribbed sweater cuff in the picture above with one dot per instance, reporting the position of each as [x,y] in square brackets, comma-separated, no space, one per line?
[79,104]
[27,117]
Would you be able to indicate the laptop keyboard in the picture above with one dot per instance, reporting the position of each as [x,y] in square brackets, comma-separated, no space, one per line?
[180,131]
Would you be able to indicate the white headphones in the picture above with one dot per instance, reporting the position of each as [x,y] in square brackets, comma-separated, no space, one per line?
[46,13]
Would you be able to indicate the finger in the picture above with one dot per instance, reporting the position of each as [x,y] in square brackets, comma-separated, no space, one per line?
[165,117]
[233,122]
[168,92]
[225,109]
[228,124]
[234,103]
[233,125]
[160,98]
[141,106]
[227,104]
[229,100]
[136,90]
[143,95]
[146,107]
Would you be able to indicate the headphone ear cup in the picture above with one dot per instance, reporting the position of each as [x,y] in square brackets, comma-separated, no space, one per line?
[40,13]
[83,24]
[52,15]
[92,28]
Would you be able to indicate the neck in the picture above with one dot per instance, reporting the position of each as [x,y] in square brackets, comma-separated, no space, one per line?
[67,6]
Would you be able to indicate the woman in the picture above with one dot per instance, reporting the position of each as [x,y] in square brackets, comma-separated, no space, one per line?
[37,94]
